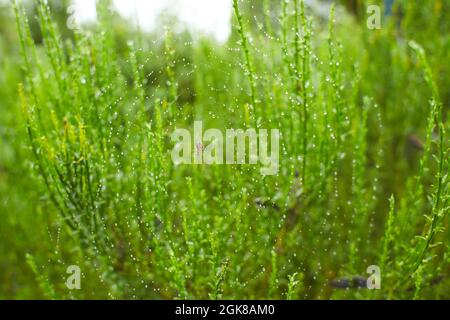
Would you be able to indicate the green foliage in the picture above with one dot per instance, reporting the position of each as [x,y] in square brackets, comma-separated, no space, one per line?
[86,175]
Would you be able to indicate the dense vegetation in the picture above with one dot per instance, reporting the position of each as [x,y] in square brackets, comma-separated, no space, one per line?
[86,176]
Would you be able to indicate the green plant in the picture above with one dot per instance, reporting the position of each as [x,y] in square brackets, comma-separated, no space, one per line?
[355,181]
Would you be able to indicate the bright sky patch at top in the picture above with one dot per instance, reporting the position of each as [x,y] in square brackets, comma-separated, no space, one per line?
[211,17]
